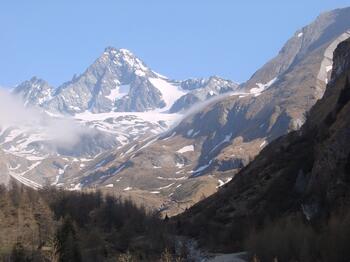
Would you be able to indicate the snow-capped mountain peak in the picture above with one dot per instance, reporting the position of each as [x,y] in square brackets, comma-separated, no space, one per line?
[119,81]
[125,58]
[34,92]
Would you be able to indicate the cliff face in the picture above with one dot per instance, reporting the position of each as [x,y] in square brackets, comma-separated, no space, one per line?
[328,183]
[306,172]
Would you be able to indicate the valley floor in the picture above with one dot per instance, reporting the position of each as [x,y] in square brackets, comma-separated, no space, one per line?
[234,257]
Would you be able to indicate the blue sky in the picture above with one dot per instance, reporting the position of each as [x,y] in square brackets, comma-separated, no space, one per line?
[181,38]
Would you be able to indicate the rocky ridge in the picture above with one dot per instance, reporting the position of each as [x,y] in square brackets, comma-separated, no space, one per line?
[303,173]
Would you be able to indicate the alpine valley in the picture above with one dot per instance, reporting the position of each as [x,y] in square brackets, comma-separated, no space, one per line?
[126,130]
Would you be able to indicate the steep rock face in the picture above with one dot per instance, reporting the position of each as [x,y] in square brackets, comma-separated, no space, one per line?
[324,29]
[306,171]
[140,99]
[194,83]
[328,183]
[98,88]
[34,92]
[119,81]
[202,90]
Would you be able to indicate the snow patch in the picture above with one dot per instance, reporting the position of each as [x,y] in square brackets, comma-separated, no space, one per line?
[77,187]
[262,87]
[329,68]
[119,169]
[179,165]
[202,168]
[190,132]
[118,92]
[170,92]
[221,183]
[140,73]
[186,149]
[225,140]
[159,75]
[165,187]
[24,180]
[172,178]
[263,144]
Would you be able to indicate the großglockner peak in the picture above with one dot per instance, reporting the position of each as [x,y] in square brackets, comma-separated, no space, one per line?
[112,77]
[117,101]
[119,81]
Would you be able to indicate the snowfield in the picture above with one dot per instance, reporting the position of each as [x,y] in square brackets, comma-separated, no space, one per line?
[262,87]
[186,149]
[169,91]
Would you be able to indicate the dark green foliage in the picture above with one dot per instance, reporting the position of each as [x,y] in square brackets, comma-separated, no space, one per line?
[77,205]
[79,226]
[108,225]
[344,96]
[330,119]
[15,194]
[347,167]
[343,99]
[67,242]
[18,253]
[293,239]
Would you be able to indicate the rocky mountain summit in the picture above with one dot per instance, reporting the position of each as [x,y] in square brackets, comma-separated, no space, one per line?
[202,90]
[34,92]
[119,81]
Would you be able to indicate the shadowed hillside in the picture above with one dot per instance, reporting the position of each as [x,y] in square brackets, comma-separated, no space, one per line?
[292,201]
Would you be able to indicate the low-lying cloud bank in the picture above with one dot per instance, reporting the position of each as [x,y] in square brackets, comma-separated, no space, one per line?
[61,131]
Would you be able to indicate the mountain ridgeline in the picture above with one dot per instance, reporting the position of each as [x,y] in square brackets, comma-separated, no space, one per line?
[119,81]
[215,140]
[263,166]
[296,191]
[129,131]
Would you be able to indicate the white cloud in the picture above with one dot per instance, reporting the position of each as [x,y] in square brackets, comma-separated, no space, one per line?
[62,131]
